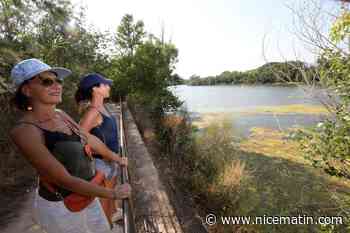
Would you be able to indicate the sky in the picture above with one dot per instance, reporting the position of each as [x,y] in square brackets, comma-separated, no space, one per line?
[212,36]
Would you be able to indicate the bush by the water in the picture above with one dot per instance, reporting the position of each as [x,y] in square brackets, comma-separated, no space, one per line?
[206,163]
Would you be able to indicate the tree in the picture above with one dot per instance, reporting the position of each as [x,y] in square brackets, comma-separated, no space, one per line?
[144,68]
[328,146]
[154,64]
[129,35]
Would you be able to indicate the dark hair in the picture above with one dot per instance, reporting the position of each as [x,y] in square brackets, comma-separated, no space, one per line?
[81,95]
[20,100]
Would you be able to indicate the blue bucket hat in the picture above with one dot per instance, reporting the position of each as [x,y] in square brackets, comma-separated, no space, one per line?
[90,80]
[29,68]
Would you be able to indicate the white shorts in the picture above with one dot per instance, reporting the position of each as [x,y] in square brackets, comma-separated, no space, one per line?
[110,169]
[54,217]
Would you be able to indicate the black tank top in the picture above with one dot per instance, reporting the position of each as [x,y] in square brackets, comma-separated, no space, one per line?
[69,151]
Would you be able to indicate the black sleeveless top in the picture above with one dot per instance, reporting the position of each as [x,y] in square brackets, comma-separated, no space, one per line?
[69,151]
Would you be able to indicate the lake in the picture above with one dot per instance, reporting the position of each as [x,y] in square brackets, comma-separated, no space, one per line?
[277,107]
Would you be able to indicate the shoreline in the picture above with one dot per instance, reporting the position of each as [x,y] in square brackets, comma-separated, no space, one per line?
[204,119]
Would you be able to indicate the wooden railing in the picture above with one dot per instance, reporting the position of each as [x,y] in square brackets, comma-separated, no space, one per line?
[128,216]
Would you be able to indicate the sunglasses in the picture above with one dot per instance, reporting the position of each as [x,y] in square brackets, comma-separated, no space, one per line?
[48,82]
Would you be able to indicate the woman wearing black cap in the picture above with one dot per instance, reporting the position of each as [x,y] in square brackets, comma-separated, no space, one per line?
[93,90]
[60,152]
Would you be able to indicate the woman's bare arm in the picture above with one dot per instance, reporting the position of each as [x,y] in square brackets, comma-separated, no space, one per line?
[104,151]
[99,147]
[46,164]
[89,119]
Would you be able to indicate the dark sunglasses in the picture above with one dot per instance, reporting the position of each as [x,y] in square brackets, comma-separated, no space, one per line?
[47,82]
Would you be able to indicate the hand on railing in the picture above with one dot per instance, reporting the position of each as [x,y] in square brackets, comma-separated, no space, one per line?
[122,191]
[123,161]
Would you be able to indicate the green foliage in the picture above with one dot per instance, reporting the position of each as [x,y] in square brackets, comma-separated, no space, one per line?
[144,69]
[16,19]
[214,149]
[129,35]
[50,31]
[176,80]
[269,73]
[328,147]
[341,27]
[205,163]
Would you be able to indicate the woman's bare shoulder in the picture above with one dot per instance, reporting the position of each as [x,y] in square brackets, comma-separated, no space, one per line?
[26,131]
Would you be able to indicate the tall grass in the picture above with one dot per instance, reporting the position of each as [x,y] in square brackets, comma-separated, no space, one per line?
[206,164]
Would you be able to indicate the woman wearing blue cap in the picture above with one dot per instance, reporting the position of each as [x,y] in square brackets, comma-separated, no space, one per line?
[60,151]
[93,90]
